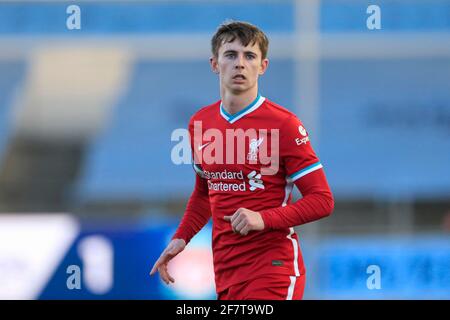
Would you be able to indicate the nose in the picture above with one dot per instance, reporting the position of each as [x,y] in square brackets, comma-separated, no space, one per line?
[240,62]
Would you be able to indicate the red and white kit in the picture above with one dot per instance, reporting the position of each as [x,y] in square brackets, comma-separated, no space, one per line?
[233,175]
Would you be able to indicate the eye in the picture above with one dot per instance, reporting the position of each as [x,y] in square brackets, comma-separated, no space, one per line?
[250,56]
[230,55]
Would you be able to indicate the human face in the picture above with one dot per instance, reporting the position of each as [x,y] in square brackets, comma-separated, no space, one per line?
[239,67]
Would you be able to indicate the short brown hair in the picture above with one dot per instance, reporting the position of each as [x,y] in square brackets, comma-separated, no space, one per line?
[244,31]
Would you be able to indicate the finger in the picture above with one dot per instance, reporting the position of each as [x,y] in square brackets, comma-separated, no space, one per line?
[168,276]
[239,226]
[164,274]
[153,270]
[165,257]
[227,218]
[245,230]
[236,215]
[237,221]
[156,265]
[232,217]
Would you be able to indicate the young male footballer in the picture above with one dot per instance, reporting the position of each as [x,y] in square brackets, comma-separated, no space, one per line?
[248,154]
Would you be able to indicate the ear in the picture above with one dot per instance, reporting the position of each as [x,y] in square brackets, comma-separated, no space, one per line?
[263,67]
[214,65]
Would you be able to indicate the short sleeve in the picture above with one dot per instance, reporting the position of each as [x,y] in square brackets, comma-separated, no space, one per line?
[296,151]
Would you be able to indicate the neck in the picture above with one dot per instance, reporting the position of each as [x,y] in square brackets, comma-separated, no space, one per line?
[233,103]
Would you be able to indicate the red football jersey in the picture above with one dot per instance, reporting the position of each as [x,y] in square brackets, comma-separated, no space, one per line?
[250,160]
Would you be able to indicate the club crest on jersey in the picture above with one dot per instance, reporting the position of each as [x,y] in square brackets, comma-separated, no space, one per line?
[253,146]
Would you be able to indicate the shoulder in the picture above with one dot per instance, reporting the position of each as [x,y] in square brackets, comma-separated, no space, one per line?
[205,112]
[279,113]
[290,126]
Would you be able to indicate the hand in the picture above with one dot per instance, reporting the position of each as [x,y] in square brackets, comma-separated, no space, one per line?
[175,247]
[244,220]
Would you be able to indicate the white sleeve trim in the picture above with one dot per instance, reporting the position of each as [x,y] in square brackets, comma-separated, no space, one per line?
[303,172]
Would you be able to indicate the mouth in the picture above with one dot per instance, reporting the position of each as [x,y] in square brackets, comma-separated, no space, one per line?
[239,77]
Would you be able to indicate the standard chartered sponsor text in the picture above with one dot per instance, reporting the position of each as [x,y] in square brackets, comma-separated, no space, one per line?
[237,176]
[223,186]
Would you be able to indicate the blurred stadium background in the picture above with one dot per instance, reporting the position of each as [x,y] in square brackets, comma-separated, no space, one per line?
[86,116]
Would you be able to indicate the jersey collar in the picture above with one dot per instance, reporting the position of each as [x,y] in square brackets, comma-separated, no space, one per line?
[231,118]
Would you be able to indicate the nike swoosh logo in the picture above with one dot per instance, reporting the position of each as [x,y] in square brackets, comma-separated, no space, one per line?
[203,145]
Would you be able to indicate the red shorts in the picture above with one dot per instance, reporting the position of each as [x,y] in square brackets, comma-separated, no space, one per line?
[267,287]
